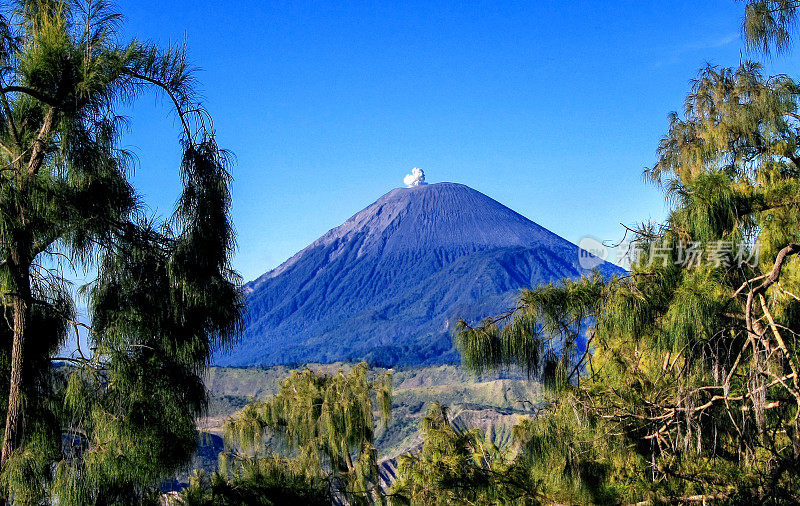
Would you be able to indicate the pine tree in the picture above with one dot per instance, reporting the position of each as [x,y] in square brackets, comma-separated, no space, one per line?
[768,24]
[460,466]
[112,422]
[321,432]
[689,388]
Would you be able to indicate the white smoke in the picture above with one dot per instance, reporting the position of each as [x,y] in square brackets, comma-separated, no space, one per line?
[416,178]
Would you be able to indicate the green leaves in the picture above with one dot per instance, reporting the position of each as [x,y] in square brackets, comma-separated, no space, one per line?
[768,24]
[689,387]
[326,422]
[543,331]
[458,465]
[165,293]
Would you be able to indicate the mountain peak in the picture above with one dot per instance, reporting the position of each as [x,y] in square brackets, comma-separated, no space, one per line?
[441,215]
[387,283]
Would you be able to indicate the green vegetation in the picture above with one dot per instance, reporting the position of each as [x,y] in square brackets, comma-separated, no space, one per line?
[267,481]
[494,401]
[689,389]
[459,466]
[114,421]
[484,408]
[327,426]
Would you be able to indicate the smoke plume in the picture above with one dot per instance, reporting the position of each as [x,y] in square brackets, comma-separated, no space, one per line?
[416,178]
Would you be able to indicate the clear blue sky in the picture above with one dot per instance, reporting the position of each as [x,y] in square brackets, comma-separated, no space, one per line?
[552,108]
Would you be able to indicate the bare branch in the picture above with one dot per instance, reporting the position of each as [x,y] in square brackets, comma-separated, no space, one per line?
[37,152]
[33,93]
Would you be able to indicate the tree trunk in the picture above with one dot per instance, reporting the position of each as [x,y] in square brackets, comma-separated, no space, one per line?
[20,265]
[15,418]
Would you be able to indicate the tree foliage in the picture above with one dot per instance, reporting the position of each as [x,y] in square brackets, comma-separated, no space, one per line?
[106,427]
[689,388]
[321,431]
[259,482]
[768,24]
[459,466]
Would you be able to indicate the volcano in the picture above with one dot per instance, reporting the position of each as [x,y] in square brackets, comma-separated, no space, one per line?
[388,284]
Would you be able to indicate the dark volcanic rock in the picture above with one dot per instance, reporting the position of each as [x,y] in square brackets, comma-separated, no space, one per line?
[387,285]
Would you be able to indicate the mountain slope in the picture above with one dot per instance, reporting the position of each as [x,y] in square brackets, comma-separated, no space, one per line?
[387,284]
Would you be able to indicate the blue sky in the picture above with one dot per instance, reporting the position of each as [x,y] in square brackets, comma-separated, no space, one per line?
[552,108]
